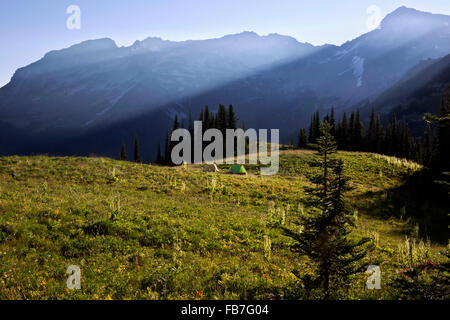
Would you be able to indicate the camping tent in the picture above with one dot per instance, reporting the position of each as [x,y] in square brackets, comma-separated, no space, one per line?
[237,169]
[210,168]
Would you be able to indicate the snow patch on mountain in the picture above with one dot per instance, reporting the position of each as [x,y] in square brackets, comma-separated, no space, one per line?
[341,53]
[358,70]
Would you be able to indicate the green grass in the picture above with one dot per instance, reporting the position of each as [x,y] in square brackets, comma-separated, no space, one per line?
[148,232]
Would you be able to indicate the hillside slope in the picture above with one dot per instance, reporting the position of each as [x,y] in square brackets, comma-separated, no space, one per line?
[419,92]
[149,232]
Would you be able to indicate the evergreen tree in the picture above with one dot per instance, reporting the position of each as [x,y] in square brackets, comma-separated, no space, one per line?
[332,123]
[167,149]
[338,135]
[394,143]
[418,157]
[317,126]
[405,143]
[123,153]
[212,121]
[358,132]
[291,143]
[378,142]
[387,140]
[434,164]
[442,121]
[314,128]
[191,131]
[302,139]
[206,119]
[371,136]
[159,157]
[170,143]
[393,139]
[345,133]
[200,118]
[232,124]
[176,123]
[190,123]
[427,147]
[324,232]
[232,119]
[137,156]
[311,130]
[222,121]
[352,132]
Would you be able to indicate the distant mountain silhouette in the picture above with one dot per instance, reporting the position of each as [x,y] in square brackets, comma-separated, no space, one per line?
[91,96]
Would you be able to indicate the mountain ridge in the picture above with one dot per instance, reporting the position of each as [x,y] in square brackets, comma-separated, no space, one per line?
[274,81]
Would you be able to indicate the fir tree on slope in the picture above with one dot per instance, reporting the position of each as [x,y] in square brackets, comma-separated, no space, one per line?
[422,280]
[371,136]
[137,155]
[314,128]
[323,233]
[393,139]
[442,120]
[166,157]
[231,117]
[159,157]
[442,156]
[302,139]
[123,153]
[332,123]
[221,119]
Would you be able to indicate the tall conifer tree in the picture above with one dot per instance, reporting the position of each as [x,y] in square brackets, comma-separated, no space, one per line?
[323,233]
[302,139]
[137,155]
[123,153]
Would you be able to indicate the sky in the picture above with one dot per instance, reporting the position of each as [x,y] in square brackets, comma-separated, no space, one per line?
[29,29]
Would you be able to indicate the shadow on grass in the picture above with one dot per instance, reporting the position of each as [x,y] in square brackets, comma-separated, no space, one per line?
[419,199]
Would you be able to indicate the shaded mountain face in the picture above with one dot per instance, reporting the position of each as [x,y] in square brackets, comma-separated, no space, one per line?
[368,65]
[358,71]
[418,92]
[92,95]
[96,82]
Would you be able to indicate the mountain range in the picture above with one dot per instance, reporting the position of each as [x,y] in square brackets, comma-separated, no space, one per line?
[91,97]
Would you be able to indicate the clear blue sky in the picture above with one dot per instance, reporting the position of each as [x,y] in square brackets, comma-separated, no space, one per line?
[30,28]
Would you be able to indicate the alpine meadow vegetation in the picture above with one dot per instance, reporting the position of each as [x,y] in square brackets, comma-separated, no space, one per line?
[141,231]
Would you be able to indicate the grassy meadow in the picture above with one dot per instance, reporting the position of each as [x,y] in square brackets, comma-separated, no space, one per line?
[140,231]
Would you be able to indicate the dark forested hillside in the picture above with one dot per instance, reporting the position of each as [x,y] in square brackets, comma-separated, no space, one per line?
[419,92]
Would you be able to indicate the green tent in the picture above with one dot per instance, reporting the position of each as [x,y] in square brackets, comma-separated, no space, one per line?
[237,169]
